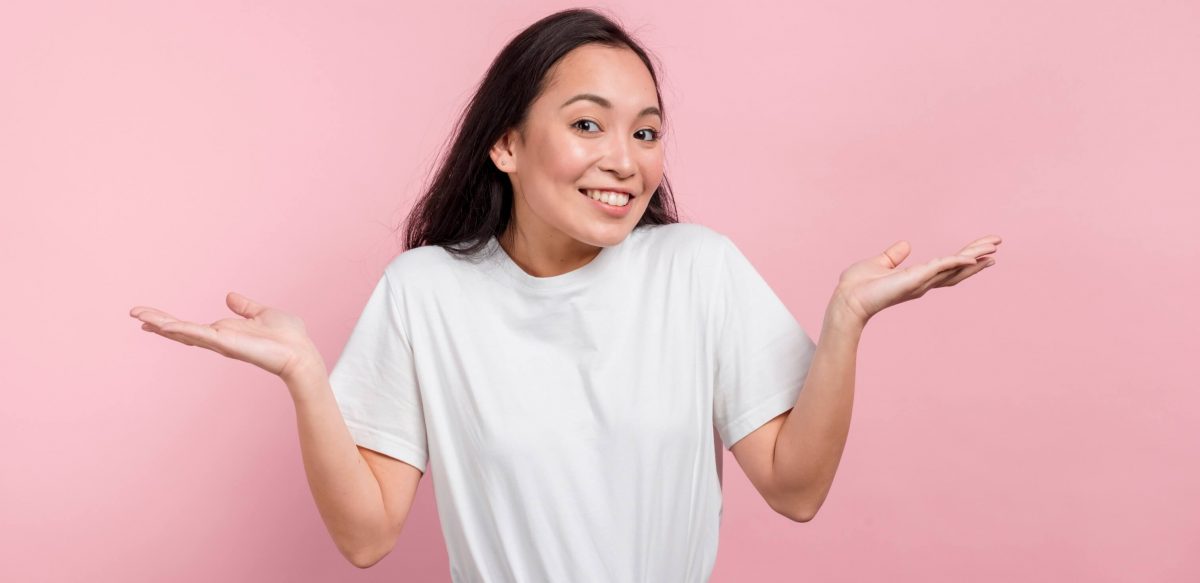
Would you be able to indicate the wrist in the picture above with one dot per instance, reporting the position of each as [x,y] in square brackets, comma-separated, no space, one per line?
[841,314]
[304,371]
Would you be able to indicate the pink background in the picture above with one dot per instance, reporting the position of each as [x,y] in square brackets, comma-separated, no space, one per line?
[1035,423]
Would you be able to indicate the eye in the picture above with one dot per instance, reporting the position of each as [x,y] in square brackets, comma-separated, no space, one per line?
[576,124]
[657,134]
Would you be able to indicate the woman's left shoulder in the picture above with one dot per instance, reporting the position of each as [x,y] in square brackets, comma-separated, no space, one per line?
[683,244]
[685,235]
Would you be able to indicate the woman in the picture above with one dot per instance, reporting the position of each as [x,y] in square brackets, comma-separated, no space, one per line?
[559,349]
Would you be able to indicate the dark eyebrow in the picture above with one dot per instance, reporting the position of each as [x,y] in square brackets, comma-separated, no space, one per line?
[602,102]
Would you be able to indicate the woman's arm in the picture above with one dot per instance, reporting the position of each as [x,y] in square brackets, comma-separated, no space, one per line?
[794,470]
[362,496]
[813,435]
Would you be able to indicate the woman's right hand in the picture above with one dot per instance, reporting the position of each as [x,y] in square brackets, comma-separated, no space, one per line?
[268,338]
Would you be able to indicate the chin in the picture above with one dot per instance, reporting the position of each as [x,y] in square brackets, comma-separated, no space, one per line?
[612,235]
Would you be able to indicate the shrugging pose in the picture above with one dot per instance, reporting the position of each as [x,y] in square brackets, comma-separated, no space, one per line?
[560,351]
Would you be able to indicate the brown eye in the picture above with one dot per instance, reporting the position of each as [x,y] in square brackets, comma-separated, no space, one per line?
[657,135]
[576,124]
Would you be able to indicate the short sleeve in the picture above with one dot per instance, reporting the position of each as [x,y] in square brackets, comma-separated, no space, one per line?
[375,382]
[762,352]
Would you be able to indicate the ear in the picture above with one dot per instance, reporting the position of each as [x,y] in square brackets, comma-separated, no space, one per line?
[502,152]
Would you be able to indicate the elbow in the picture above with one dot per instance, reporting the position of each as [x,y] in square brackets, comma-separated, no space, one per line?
[801,515]
[366,551]
[795,510]
[365,558]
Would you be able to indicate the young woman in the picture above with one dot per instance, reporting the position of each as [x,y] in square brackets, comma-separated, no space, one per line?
[558,349]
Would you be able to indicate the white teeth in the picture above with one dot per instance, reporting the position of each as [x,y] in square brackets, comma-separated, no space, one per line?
[609,198]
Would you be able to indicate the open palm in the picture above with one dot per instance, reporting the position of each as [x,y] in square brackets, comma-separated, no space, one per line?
[870,285]
[266,337]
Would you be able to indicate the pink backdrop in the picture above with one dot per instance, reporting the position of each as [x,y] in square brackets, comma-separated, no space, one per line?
[1034,423]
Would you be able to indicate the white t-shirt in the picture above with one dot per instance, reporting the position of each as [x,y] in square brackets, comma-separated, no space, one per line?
[569,420]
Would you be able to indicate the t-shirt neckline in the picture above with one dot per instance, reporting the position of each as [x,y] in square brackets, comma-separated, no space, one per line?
[576,277]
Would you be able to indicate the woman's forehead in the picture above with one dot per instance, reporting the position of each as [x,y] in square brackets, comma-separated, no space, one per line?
[600,76]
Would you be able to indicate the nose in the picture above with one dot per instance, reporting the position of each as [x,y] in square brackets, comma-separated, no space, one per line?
[618,159]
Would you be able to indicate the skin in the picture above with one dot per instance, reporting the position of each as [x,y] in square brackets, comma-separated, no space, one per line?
[555,229]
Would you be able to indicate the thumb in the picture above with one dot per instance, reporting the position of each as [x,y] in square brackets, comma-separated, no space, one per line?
[896,254]
[243,305]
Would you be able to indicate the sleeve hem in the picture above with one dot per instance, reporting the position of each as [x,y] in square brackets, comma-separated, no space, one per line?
[768,409]
[388,445]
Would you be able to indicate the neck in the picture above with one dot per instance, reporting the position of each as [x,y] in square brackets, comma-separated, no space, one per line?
[546,256]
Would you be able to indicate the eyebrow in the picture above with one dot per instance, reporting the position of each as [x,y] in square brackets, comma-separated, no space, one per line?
[602,102]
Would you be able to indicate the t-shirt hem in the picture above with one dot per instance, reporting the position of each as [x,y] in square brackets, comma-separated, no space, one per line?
[388,445]
[747,422]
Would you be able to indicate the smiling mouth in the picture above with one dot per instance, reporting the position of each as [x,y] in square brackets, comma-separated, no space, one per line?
[608,198]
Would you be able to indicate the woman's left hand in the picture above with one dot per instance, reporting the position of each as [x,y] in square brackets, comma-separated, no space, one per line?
[869,286]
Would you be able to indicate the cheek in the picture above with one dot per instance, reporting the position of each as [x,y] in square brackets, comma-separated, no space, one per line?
[561,164]
[567,160]
[652,171]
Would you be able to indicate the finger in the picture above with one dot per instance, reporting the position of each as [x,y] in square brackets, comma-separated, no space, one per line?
[942,267]
[137,311]
[940,278]
[155,316]
[990,239]
[242,305]
[948,262]
[181,331]
[176,336]
[978,250]
[949,278]
[968,272]
[180,338]
[194,335]
[894,255]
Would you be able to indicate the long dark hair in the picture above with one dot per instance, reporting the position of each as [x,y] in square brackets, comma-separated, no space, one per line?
[469,199]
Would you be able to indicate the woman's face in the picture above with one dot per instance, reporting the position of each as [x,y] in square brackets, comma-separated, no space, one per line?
[595,126]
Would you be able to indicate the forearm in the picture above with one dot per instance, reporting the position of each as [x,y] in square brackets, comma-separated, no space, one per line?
[810,442]
[343,486]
